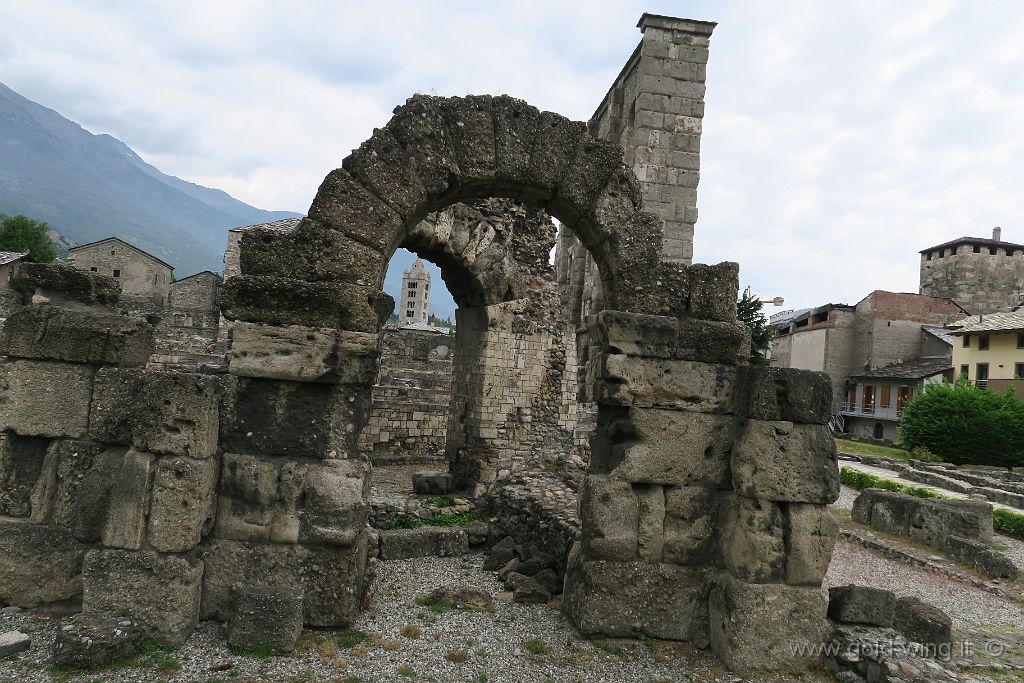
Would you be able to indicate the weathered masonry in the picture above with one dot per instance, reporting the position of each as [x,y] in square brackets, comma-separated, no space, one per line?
[166,496]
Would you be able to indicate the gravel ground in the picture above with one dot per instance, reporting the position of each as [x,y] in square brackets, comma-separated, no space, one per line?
[846,497]
[966,605]
[496,645]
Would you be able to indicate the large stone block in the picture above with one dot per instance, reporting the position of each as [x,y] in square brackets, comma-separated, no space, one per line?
[21,463]
[40,398]
[383,167]
[303,354]
[336,508]
[690,514]
[923,623]
[39,564]
[653,336]
[266,617]
[767,627]
[811,532]
[125,525]
[784,462]
[636,599]
[752,539]
[658,446]
[658,383]
[62,284]
[283,301]
[426,541]
[332,577]
[74,487]
[171,413]
[419,125]
[343,204]
[515,128]
[295,419]
[929,521]
[854,604]
[55,333]
[259,497]
[87,641]
[182,503]
[471,126]
[800,396]
[609,511]
[160,592]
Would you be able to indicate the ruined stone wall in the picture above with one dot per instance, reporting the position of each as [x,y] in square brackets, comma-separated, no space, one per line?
[410,399]
[989,281]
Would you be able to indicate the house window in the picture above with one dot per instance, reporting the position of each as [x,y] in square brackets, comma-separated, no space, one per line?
[981,374]
[94,269]
[1018,371]
[885,398]
[977,248]
[903,394]
[928,256]
[967,341]
[942,253]
[867,403]
[965,369]
[952,251]
[408,314]
[851,402]
[1020,341]
[879,432]
[117,272]
[992,251]
[412,285]
[983,342]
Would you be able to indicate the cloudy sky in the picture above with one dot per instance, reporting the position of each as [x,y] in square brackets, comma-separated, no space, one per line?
[840,137]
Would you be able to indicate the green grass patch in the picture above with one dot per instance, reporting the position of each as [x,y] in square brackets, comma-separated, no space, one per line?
[1008,522]
[535,646]
[350,638]
[406,671]
[459,519]
[612,650]
[862,480]
[859,448]
[443,501]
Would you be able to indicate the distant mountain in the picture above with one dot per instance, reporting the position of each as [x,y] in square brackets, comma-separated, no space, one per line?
[88,187]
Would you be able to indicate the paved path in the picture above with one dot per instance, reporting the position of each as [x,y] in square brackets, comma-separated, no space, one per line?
[894,476]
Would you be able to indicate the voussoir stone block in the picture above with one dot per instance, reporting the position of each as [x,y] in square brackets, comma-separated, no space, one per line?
[39,563]
[785,462]
[182,502]
[160,592]
[593,164]
[21,463]
[55,333]
[636,599]
[810,539]
[420,126]
[470,122]
[303,354]
[42,398]
[170,413]
[662,446]
[752,539]
[659,383]
[610,513]
[295,419]
[283,301]
[382,166]
[515,128]
[343,204]
[773,394]
[553,147]
[332,577]
[767,627]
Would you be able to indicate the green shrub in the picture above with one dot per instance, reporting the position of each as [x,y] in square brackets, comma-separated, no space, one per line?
[443,519]
[856,479]
[1008,522]
[966,425]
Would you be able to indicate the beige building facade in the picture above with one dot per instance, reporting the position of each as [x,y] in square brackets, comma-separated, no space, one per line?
[989,350]
[141,275]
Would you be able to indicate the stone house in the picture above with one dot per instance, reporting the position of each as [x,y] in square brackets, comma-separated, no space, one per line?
[9,262]
[873,404]
[142,276]
[989,349]
[232,265]
[883,329]
[981,275]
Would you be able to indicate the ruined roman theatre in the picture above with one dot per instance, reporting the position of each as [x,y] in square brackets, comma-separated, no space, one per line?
[167,498]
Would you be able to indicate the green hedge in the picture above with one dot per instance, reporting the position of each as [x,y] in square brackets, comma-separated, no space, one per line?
[1008,522]
[862,480]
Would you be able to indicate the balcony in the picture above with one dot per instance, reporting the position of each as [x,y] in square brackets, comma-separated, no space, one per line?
[871,410]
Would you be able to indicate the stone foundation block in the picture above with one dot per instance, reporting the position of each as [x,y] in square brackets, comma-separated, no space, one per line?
[784,462]
[40,398]
[432,483]
[752,539]
[303,354]
[88,640]
[266,617]
[61,284]
[39,564]
[54,333]
[669,447]
[922,623]
[690,513]
[610,515]
[981,557]
[787,394]
[636,599]
[762,627]
[160,592]
[929,521]
[21,463]
[336,508]
[294,419]
[331,577]
[283,301]
[182,503]
[655,383]
[854,604]
[811,532]
[169,413]
[425,541]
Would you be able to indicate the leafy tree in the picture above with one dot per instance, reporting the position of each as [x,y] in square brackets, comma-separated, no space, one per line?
[21,233]
[966,425]
[748,311]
